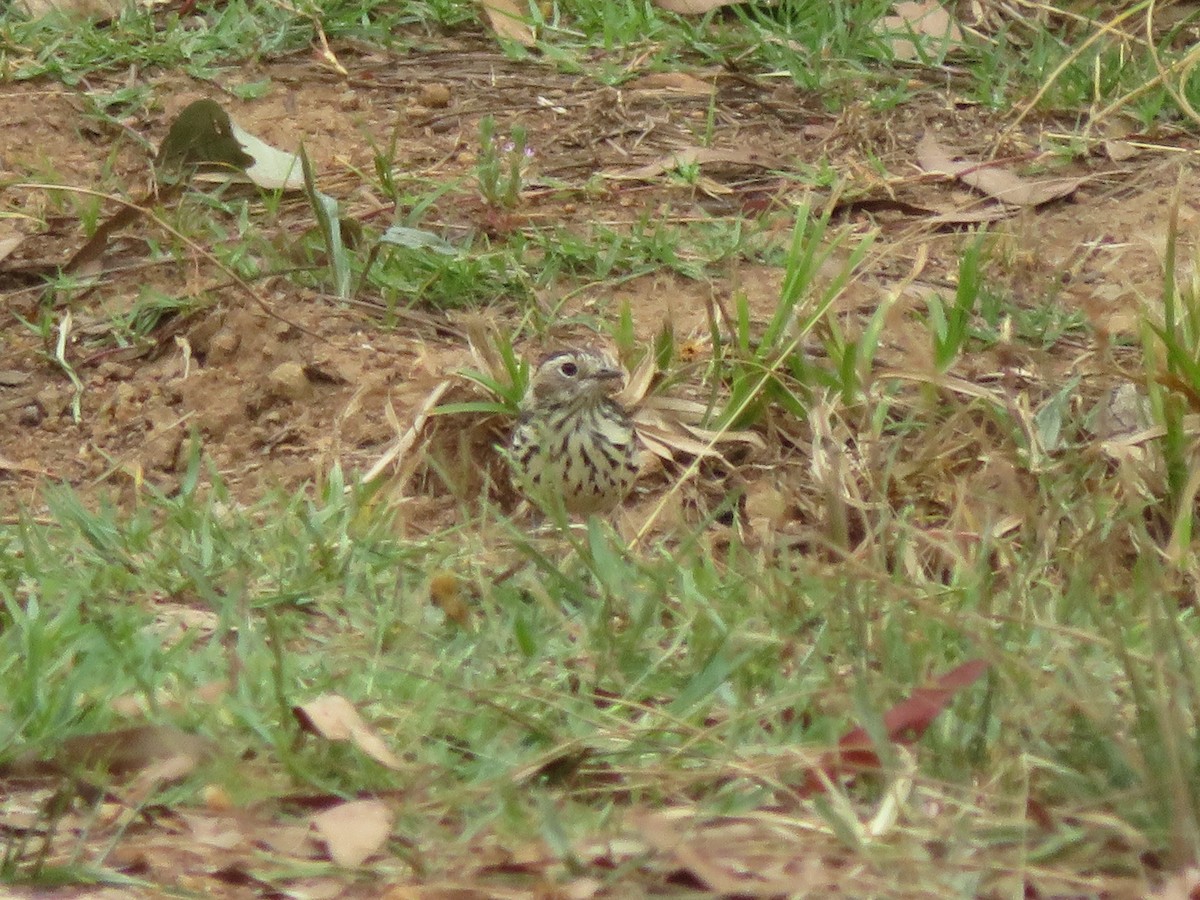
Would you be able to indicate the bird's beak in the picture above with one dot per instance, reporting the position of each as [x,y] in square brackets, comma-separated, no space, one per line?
[606,382]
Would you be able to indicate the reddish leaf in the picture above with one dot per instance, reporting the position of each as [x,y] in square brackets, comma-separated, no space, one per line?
[904,723]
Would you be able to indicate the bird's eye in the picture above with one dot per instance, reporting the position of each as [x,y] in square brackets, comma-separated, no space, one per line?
[569,369]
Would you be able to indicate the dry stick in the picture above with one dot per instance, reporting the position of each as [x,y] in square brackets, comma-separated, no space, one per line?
[1184,68]
[236,279]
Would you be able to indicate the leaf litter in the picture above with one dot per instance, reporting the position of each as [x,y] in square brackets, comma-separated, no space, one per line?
[644,136]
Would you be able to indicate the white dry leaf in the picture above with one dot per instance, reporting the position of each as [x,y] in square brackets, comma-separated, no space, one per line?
[638,382]
[353,831]
[334,718]
[925,19]
[510,21]
[9,242]
[665,441]
[272,169]
[1123,411]
[98,10]
[404,442]
[1121,151]
[665,427]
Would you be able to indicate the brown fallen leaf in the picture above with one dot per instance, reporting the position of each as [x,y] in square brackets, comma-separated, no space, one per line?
[1120,151]
[13,377]
[334,718]
[690,156]
[353,831]
[999,183]
[99,10]
[904,723]
[927,18]
[9,242]
[671,82]
[510,21]
[166,771]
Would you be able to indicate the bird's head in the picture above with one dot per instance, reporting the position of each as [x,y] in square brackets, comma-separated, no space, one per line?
[586,376]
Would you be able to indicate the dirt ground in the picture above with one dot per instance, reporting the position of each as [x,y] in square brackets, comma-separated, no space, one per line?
[278,385]
[278,382]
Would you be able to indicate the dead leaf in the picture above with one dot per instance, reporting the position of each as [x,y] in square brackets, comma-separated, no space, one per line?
[978,212]
[334,718]
[395,454]
[1123,411]
[693,7]
[510,21]
[927,19]
[672,82]
[692,156]
[353,831]
[317,888]
[99,10]
[1001,184]
[904,723]
[223,832]
[1120,151]
[288,840]
[9,243]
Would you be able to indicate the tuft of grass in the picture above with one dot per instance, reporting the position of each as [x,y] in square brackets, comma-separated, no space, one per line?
[771,369]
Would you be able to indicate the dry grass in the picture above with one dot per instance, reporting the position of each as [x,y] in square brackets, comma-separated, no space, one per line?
[890,446]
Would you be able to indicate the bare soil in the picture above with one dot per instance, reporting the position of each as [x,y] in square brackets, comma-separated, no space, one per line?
[223,373]
[277,382]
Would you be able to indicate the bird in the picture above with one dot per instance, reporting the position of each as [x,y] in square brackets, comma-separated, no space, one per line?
[574,447]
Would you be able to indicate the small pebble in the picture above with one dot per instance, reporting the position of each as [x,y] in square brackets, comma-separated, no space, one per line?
[434,96]
[30,416]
